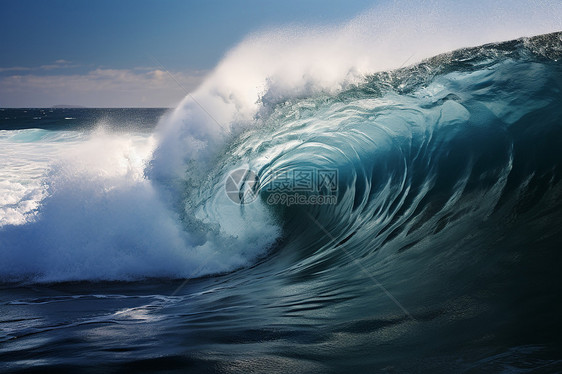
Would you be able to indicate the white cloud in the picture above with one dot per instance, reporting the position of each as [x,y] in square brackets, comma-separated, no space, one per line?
[99,88]
[58,64]
[15,68]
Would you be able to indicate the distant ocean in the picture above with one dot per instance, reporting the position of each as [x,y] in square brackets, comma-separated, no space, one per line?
[80,119]
[410,221]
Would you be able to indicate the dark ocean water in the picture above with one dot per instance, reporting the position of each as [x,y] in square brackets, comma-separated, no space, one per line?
[441,253]
[80,119]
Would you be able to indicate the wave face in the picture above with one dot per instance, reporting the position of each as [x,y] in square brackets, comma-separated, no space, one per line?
[426,156]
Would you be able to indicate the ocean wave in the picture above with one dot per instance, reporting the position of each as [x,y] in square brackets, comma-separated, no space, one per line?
[415,155]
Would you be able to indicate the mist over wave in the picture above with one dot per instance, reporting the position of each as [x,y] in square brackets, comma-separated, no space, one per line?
[270,67]
[131,206]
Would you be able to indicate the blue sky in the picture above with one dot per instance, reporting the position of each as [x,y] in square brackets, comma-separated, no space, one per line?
[103,53]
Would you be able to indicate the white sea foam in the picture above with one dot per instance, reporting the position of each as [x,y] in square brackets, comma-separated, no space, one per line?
[82,209]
